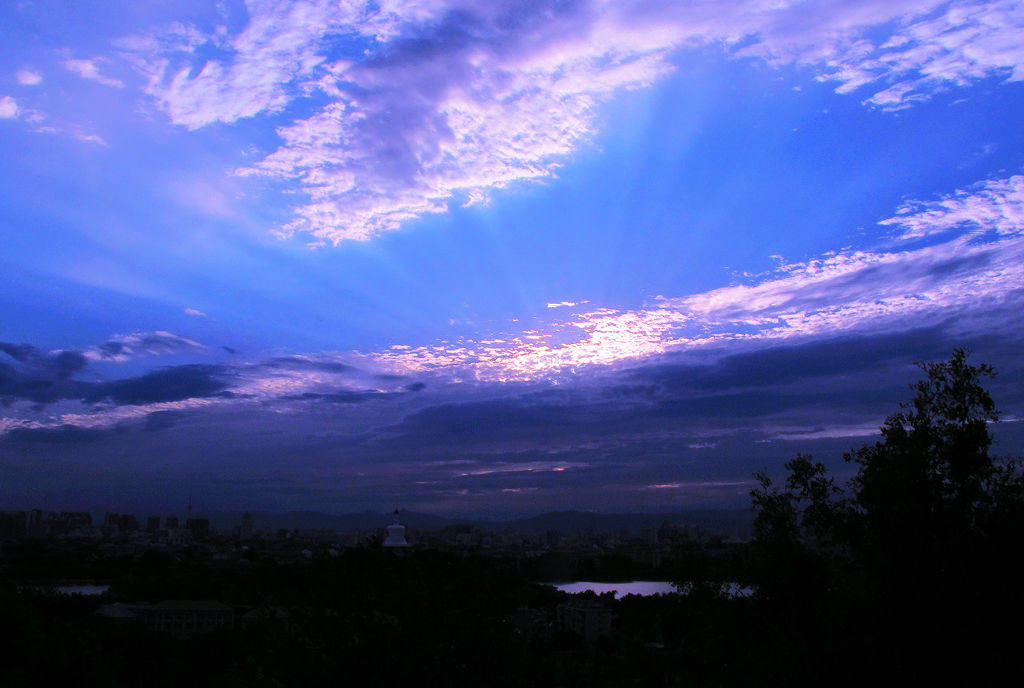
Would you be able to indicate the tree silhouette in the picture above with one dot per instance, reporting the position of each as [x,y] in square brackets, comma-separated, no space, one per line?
[916,548]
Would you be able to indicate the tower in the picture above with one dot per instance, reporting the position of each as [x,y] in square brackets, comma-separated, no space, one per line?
[396,534]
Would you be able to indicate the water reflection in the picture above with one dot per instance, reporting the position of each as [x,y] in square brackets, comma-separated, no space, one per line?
[646,588]
[620,589]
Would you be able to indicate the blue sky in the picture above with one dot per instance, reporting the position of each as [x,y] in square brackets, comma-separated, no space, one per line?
[492,260]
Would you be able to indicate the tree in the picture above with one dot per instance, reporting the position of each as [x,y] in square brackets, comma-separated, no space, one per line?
[932,466]
[929,481]
[917,547]
[796,530]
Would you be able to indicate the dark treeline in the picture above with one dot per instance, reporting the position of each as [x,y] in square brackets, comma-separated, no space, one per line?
[910,571]
[905,575]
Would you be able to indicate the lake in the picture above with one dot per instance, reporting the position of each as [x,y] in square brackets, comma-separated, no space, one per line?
[621,589]
[69,588]
[645,588]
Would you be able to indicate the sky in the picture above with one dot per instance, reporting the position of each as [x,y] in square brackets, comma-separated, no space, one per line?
[492,259]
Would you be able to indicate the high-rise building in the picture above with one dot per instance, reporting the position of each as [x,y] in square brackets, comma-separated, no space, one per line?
[245,530]
[199,527]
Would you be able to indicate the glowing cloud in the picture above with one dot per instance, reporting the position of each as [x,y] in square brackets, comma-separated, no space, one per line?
[995,205]
[26,77]
[89,69]
[845,291]
[443,101]
[129,346]
[8,107]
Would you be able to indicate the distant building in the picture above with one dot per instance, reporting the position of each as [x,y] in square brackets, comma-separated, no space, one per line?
[269,617]
[588,618]
[187,617]
[171,522]
[13,524]
[246,529]
[127,523]
[179,537]
[152,524]
[396,534]
[34,524]
[199,527]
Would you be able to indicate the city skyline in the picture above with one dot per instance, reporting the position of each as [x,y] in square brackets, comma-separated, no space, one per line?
[492,261]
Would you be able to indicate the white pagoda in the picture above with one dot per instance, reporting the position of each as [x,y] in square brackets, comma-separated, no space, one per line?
[396,534]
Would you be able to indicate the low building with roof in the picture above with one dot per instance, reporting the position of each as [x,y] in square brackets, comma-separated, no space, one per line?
[187,617]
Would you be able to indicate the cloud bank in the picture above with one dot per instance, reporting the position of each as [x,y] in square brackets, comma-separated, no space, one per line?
[963,280]
[413,105]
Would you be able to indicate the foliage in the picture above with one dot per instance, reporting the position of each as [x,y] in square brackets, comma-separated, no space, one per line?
[914,548]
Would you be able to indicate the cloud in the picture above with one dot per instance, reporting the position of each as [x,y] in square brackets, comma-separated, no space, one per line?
[851,291]
[8,107]
[341,397]
[731,357]
[60,434]
[434,102]
[49,380]
[19,352]
[40,123]
[195,312]
[89,69]
[901,53]
[40,377]
[173,383]
[794,362]
[48,377]
[27,77]
[129,346]
[995,205]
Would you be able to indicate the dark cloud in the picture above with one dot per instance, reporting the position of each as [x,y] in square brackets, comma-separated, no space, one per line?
[664,433]
[301,363]
[161,420]
[55,363]
[19,352]
[41,378]
[971,263]
[786,364]
[515,418]
[812,384]
[166,384]
[44,378]
[111,349]
[66,363]
[342,397]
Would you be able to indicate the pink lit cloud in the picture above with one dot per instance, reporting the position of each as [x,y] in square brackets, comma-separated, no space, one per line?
[28,77]
[452,100]
[90,69]
[8,107]
[867,292]
[992,206]
[846,291]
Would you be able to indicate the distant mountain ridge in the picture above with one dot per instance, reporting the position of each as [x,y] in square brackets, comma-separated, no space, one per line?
[714,521]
